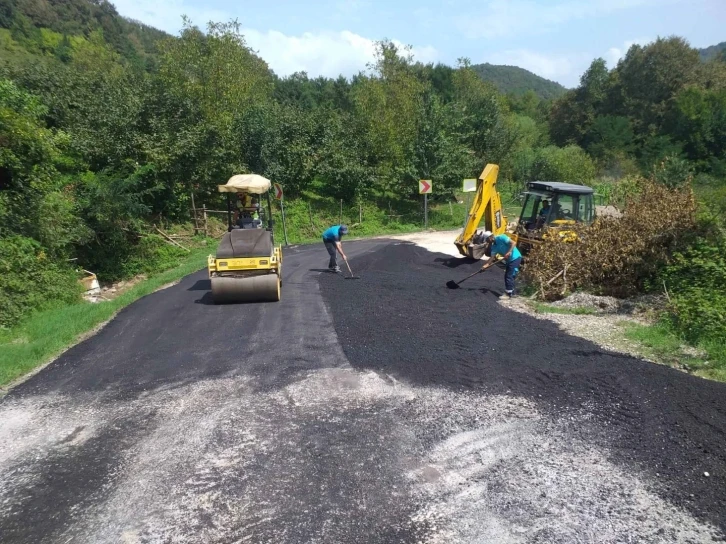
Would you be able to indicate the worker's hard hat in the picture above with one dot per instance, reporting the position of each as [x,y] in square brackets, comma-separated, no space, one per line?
[487,233]
[343,229]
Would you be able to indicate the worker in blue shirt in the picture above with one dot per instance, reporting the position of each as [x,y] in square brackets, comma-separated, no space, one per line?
[332,240]
[505,246]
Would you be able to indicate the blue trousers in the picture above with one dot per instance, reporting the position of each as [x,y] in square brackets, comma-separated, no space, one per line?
[510,273]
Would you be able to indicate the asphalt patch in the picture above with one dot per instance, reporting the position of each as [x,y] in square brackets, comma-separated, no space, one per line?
[403,321]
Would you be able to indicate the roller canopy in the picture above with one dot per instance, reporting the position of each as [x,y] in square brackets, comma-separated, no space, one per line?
[248,183]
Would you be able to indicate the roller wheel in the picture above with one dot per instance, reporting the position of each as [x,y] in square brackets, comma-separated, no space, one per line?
[246,289]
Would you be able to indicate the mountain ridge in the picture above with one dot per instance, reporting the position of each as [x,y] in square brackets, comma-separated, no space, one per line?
[516,80]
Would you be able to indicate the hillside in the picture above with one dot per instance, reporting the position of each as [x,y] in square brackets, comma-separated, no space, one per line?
[512,79]
[713,51]
[44,26]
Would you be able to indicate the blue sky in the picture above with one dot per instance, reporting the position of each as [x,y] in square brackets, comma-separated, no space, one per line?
[556,39]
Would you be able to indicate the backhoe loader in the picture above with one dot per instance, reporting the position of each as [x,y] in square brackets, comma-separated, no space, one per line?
[568,204]
[487,205]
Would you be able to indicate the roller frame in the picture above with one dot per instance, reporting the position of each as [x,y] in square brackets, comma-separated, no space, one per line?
[246,279]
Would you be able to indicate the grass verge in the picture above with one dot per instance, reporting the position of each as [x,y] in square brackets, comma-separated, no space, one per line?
[659,342]
[46,334]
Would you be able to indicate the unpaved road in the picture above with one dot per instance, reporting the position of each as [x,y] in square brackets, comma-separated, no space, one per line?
[386,409]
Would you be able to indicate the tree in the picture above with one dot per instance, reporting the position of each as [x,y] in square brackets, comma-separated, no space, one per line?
[573,115]
[698,122]
[388,104]
[650,77]
[482,107]
[609,135]
[217,69]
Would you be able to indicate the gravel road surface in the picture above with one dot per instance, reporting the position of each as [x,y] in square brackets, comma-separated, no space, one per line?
[385,409]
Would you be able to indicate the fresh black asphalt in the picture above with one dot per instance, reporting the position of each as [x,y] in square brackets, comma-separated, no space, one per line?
[399,320]
[403,320]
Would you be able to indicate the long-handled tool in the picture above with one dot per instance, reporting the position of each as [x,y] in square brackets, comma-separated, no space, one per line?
[451,284]
[351,277]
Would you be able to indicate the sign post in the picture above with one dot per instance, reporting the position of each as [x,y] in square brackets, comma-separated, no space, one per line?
[278,196]
[424,188]
[469,186]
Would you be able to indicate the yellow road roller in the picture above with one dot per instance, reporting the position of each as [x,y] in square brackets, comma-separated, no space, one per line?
[248,265]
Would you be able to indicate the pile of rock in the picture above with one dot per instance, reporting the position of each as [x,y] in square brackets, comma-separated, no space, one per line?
[612,305]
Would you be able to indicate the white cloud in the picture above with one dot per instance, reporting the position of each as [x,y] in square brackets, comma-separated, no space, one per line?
[167,14]
[324,53]
[320,53]
[614,54]
[514,17]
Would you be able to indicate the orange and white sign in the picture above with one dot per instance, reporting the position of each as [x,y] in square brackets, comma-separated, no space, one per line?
[278,190]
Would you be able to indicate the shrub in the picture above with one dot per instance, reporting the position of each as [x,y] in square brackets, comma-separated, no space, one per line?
[30,280]
[696,280]
[617,256]
[151,254]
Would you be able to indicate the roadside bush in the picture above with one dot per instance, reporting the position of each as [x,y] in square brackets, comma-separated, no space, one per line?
[30,280]
[616,256]
[696,280]
[152,254]
[124,255]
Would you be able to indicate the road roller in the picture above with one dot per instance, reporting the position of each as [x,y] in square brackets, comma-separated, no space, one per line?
[248,265]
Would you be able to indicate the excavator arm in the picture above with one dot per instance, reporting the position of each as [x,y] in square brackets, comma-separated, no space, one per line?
[487,205]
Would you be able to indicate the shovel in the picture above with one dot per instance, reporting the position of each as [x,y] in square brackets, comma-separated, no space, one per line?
[351,277]
[451,284]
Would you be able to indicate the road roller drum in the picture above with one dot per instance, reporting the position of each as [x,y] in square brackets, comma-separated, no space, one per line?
[227,289]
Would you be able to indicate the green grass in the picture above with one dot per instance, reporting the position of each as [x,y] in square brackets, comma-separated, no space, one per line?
[662,344]
[306,219]
[44,335]
[543,308]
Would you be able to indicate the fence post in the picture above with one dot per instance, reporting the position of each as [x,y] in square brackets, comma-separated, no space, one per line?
[310,213]
[204,211]
[194,215]
[426,210]
[282,211]
[341,212]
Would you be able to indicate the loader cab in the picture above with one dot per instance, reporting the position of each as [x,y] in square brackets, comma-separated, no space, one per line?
[568,204]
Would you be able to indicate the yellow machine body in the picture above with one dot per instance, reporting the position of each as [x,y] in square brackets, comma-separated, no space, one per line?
[487,206]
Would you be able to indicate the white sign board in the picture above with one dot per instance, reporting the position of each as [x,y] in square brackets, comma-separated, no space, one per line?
[469,185]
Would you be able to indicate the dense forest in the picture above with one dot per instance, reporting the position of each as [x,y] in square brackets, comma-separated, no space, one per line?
[517,81]
[713,52]
[107,124]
